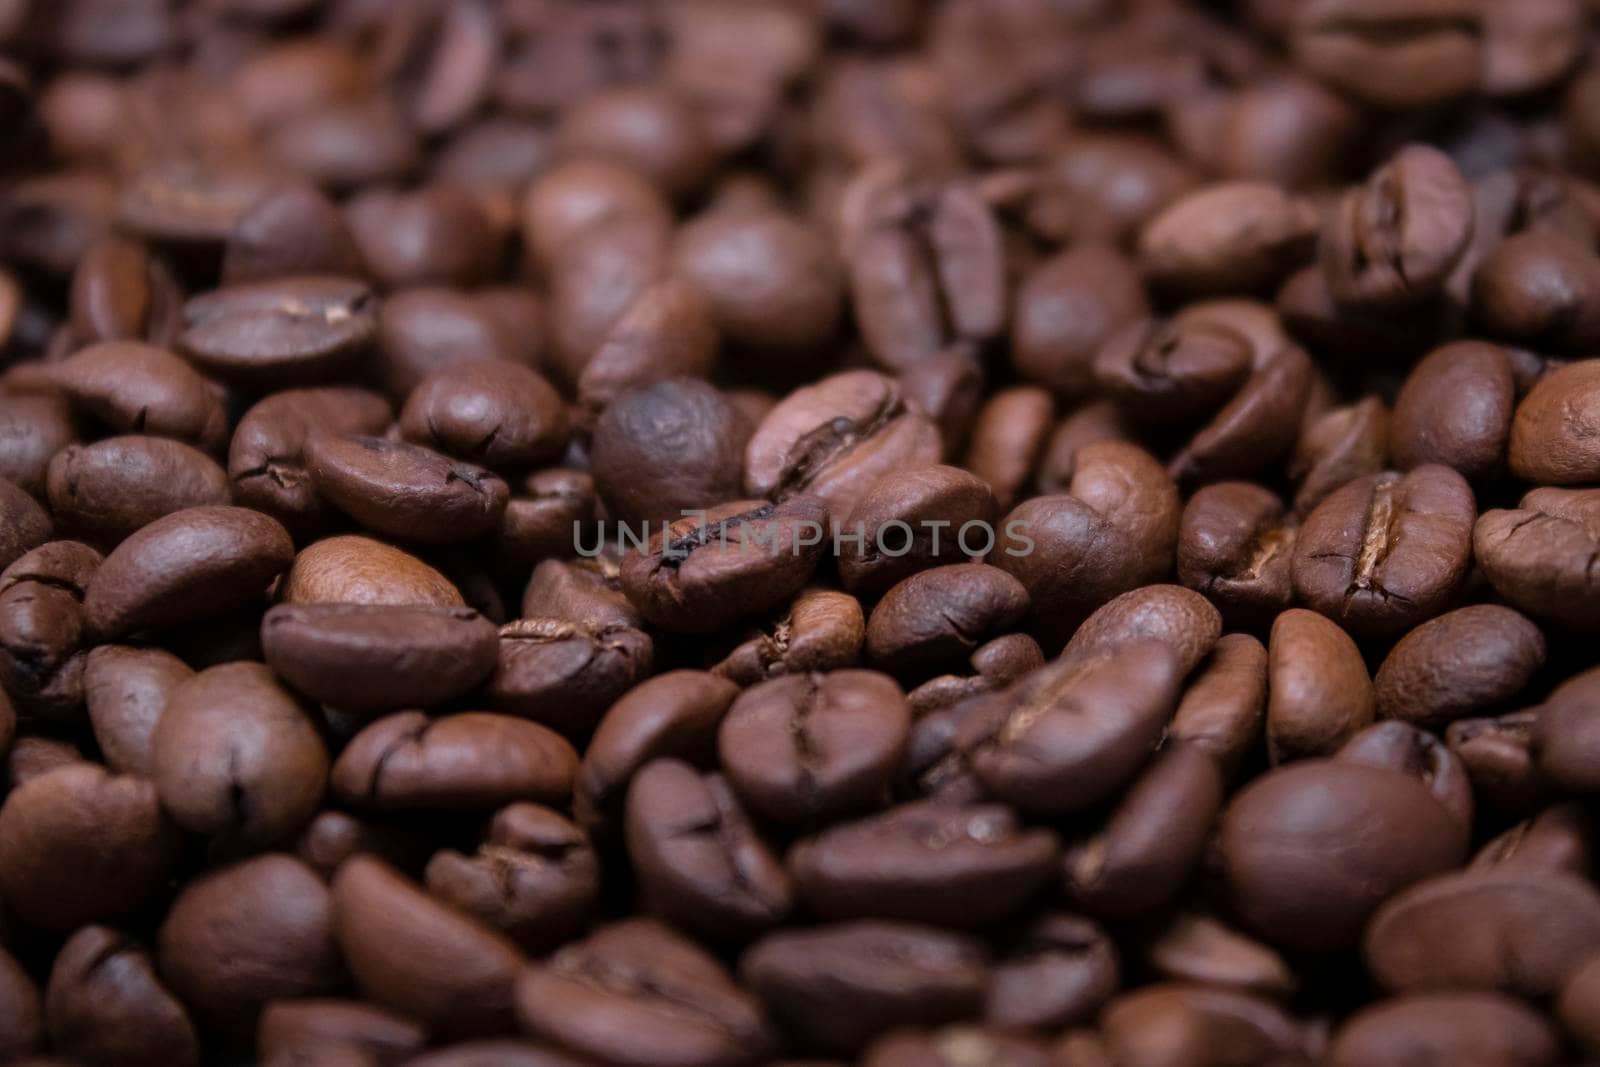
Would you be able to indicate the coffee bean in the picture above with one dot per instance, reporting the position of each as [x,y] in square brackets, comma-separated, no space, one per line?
[1231,237]
[1224,707]
[699,861]
[1366,832]
[534,877]
[636,994]
[471,760]
[191,564]
[138,388]
[584,592]
[126,691]
[295,330]
[33,428]
[435,235]
[1235,546]
[26,525]
[1181,619]
[182,204]
[494,412]
[1058,973]
[1549,436]
[821,630]
[1498,755]
[573,195]
[946,864]
[809,748]
[1462,663]
[424,329]
[1174,1018]
[1536,288]
[495,1053]
[307,1027]
[667,332]
[1339,446]
[953,1045]
[994,665]
[948,388]
[237,757]
[105,1002]
[107,490]
[291,231]
[42,629]
[662,451]
[80,845]
[1387,551]
[565,674]
[1202,949]
[934,503]
[940,614]
[1455,409]
[835,987]
[359,570]
[546,510]
[1446,1027]
[1007,438]
[419,956]
[120,292]
[595,277]
[1400,55]
[1536,555]
[404,490]
[1401,747]
[1066,309]
[379,657]
[1321,694]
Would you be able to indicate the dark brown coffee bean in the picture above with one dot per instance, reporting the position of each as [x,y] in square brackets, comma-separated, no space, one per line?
[772,282]
[1194,1022]
[534,877]
[42,629]
[120,292]
[1179,618]
[933,503]
[1321,694]
[237,757]
[1199,948]
[424,329]
[595,277]
[1445,1028]
[1235,546]
[405,490]
[667,332]
[359,570]
[1399,55]
[809,748]
[241,936]
[292,231]
[1224,707]
[436,235]
[735,560]
[192,564]
[1058,973]
[1550,437]
[420,957]
[138,388]
[33,428]
[1152,842]
[1387,551]
[836,987]
[574,195]
[1460,664]
[947,864]
[545,509]
[1066,309]
[1537,288]
[309,1026]
[80,845]
[634,994]
[369,658]
[105,1004]
[941,614]
[1537,554]
[472,760]
[24,525]
[836,439]
[107,490]
[699,861]
[674,714]
[583,592]
[1410,750]
[1517,932]
[648,128]
[821,630]
[1007,438]
[1231,237]
[494,412]
[1310,850]
[126,691]
[664,450]
[1337,447]
[1563,738]
[565,674]
[294,330]
[1455,409]
[948,388]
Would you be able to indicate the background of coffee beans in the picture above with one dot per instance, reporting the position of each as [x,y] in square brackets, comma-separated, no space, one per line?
[1261,335]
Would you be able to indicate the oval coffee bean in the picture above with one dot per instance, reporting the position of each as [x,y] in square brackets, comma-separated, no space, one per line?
[25,524]
[1320,693]
[309,1026]
[1059,973]
[126,691]
[1455,408]
[33,428]
[1445,1028]
[929,501]
[1552,436]
[105,1003]
[289,331]
[1198,948]
[565,674]
[1235,547]
[369,658]
[105,491]
[822,630]
[1578,1006]
[138,388]
[1537,554]
[1193,1023]
[359,570]
[493,412]
[1463,663]
[1180,618]
[403,490]
[1410,750]
[942,614]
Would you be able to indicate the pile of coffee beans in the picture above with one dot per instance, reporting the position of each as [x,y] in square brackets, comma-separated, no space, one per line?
[740,533]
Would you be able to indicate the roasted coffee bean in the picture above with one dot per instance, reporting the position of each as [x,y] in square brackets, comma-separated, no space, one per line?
[1310,850]
[1007,438]
[419,956]
[667,332]
[1536,288]
[836,439]
[1537,554]
[42,635]
[1235,546]
[120,292]
[941,614]
[235,756]
[933,504]
[435,235]
[1339,446]
[635,994]
[1066,308]
[1498,755]
[534,877]
[133,387]
[1224,707]
[1455,408]
[292,231]
[309,1026]
[946,864]
[1058,973]
[504,1052]
[107,490]
[33,428]
[671,715]
[1460,664]
[733,561]
[546,511]
[663,451]
[836,987]
[565,674]
[359,570]
[595,277]
[266,458]
[821,630]
[494,412]
[404,490]
[1388,551]
[1550,436]
[1399,55]
[994,665]
[79,845]
[1401,747]
[1321,694]
[1231,237]
[1517,932]
[1199,948]
[471,761]
[290,330]
[585,592]
[1195,1021]
[191,564]
[1444,1027]
[1179,618]
[423,329]
[948,388]
[699,861]
[953,1045]
[574,195]
[105,1003]
[648,128]
[25,524]
[126,691]
[810,748]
